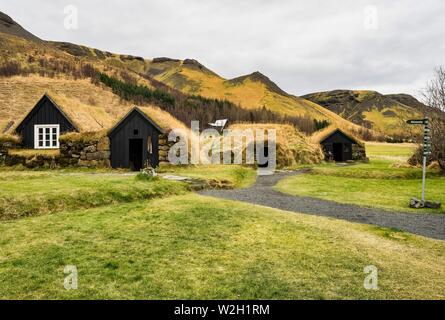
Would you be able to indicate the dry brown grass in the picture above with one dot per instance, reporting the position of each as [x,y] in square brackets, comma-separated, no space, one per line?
[18,95]
[30,153]
[85,137]
[318,136]
[9,138]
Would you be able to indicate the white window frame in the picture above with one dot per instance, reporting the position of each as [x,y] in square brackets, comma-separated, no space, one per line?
[44,127]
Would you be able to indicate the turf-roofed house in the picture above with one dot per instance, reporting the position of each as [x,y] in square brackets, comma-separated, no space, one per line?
[43,125]
[339,145]
[78,135]
[135,141]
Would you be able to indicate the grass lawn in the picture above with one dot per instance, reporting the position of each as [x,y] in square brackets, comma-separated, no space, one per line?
[194,247]
[25,193]
[383,183]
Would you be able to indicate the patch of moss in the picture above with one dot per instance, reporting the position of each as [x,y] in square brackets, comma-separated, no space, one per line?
[84,137]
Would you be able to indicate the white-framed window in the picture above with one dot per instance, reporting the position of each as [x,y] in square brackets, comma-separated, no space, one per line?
[46,136]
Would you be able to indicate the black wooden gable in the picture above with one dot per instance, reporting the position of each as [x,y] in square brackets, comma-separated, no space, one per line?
[134,140]
[44,101]
[338,136]
[134,112]
[45,112]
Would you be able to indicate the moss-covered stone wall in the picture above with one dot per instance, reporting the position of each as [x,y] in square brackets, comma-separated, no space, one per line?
[84,150]
[359,152]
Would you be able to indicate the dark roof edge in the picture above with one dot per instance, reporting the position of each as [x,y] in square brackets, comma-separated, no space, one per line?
[342,132]
[46,95]
[140,112]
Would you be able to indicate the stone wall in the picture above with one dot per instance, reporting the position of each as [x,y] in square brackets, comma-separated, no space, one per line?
[164,147]
[76,149]
[93,152]
[359,152]
[5,145]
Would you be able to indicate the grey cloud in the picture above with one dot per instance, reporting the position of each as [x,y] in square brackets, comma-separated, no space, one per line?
[304,46]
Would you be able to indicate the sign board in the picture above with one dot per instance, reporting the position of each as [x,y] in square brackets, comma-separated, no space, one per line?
[417,121]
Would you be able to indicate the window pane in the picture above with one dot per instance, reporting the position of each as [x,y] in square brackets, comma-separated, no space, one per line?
[47,130]
[40,136]
[47,137]
[54,143]
[40,130]
[54,130]
[54,137]
[47,143]
[40,143]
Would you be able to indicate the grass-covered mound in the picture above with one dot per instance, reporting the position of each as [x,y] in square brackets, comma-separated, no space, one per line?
[193,247]
[35,193]
[293,147]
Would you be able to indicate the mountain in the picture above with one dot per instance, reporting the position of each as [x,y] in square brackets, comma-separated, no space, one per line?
[383,113]
[408,100]
[30,67]
[9,26]
[251,91]
[188,81]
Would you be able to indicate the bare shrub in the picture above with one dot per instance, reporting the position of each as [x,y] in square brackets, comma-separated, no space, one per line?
[434,98]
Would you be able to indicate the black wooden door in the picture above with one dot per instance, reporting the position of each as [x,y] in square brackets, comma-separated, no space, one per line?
[347,152]
[338,151]
[135,154]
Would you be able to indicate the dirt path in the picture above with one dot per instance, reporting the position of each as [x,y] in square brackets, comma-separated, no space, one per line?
[261,193]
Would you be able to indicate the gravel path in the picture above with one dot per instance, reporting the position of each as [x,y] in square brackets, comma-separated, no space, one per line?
[261,193]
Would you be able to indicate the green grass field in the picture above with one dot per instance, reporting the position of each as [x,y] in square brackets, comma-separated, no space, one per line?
[28,193]
[194,247]
[136,239]
[384,182]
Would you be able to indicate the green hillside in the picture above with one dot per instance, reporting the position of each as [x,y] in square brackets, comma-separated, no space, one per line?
[250,91]
[383,113]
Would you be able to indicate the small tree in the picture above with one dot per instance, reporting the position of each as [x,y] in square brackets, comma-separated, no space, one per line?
[434,98]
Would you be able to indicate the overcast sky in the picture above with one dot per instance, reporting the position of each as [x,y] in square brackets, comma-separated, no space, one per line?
[303,46]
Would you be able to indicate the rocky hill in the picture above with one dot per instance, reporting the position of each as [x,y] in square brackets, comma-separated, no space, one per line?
[384,113]
[9,26]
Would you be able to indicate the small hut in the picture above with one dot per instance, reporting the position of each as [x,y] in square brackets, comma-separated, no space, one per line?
[134,141]
[339,145]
